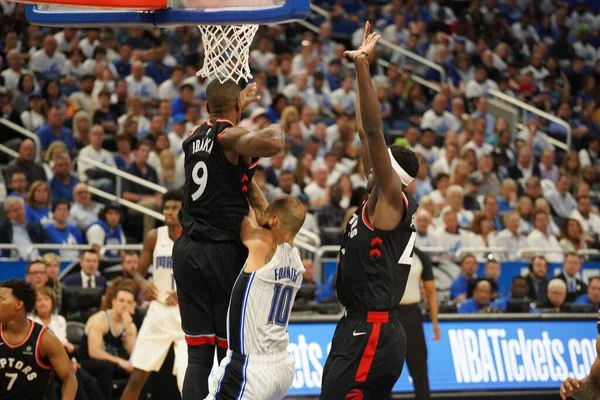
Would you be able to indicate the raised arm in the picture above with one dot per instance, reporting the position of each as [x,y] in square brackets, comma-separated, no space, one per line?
[259,242]
[258,202]
[150,291]
[388,183]
[53,349]
[364,144]
[264,143]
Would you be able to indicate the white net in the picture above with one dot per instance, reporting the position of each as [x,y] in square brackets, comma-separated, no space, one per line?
[226,51]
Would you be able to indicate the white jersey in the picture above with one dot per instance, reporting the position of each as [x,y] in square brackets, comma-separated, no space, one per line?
[162,263]
[261,303]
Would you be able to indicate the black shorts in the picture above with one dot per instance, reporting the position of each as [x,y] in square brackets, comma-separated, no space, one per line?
[366,357]
[205,273]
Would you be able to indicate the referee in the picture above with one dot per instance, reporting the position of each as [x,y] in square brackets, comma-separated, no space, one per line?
[410,316]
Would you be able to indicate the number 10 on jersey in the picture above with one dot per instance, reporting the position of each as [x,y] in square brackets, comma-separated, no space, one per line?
[280,305]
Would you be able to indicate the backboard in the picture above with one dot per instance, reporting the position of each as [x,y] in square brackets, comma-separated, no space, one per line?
[163,13]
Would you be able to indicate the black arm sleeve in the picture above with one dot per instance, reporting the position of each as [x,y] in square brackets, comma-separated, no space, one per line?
[427,274]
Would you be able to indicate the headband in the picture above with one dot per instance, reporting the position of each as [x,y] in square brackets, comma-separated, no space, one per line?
[405,178]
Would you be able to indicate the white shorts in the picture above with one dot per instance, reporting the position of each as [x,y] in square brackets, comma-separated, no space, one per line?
[252,377]
[160,329]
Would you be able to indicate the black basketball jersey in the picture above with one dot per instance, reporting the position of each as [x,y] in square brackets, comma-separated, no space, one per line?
[24,373]
[216,191]
[374,264]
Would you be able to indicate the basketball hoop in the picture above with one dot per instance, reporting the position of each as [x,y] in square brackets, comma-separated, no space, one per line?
[226,51]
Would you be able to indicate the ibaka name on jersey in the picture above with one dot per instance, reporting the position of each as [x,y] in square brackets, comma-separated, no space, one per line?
[12,363]
[164,262]
[286,273]
[205,144]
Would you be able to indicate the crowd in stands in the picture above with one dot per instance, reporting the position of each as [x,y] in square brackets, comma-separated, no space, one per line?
[488,191]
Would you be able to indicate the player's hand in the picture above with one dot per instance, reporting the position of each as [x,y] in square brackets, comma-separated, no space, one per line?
[568,387]
[249,96]
[69,347]
[370,39]
[172,299]
[150,291]
[74,364]
[127,318]
[437,334]
[126,365]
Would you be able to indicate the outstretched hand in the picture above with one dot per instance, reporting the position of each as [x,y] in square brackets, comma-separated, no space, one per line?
[249,96]
[370,39]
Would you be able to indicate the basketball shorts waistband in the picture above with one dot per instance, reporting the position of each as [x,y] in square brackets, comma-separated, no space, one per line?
[260,358]
[372,316]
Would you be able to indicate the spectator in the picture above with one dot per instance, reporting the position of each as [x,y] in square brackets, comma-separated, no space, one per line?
[96,177]
[16,230]
[331,215]
[460,286]
[103,116]
[140,85]
[26,163]
[478,144]
[540,239]
[45,313]
[32,117]
[560,199]
[129,264]
[427,148]
[63,181]
[18,185]
[167,176]
[425,233]
[491,272]
[343,99]
[481,300]
[455,198]
[60,232]
[442,183]
[537,280]
[507,199]
[141,194]
[525,167]
[490,208]
[317,190]
[287,187]
[590,222]
[124,155]
[555,296]
[54,130]
[310,222]
[548,170]
[14,71]
[109,339]
[82,123]
[573,238]
[571,268]
[88,277]
[83,100]
[155,68]
[47,63]
[52,262]
[447,163]
[510,238]
[35,274]
[518,291]
[589,155]
[178,135]
[480,85]
[107,230]
[38,203]
[180,104]
[482,236]
[490,182]
[438,119]
[533,188]
[84,211]
[570,166]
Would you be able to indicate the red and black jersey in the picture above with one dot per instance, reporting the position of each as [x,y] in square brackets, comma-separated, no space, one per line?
[374,264]
[24,373]
[216,191]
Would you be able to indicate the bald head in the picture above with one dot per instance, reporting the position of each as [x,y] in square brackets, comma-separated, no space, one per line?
[222,97]
[290,212]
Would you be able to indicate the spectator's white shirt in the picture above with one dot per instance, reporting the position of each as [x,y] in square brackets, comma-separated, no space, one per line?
[576,19]
[85,101]
[88,47]
[260,60]
[475,89]
[58,326]
[540,141]
[538,74]
[429,239]
[296,191]
[430,155]
[439,123]
[103,156]
[145,88]
[477,241]
[90,64]
[291,91]
[32,120]
[392,34]
[586,51]
[523,34]
[437,197]
[311,224]
[11,79]
[175,142]
[143,124]
[315,192]
[95,235]
[82,217]
[167,90]
[591,225]
[585,159]
[62,44]
[41,63]
[73,71]
[539,240]
[442,166]
[345,100]
[511,243]
[307,130]
[101,85]
[451,242]
[154,160]
[480,151]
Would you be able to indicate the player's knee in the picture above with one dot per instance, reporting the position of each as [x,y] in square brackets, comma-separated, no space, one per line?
[203,354]
[137,379]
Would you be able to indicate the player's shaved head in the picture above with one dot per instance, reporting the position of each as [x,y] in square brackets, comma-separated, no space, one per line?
[291,213]
[222,97]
